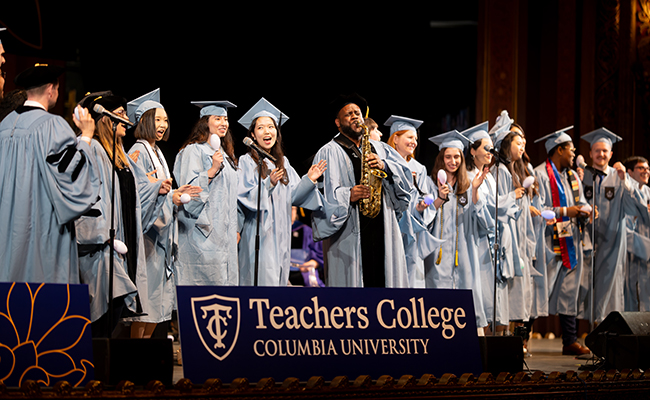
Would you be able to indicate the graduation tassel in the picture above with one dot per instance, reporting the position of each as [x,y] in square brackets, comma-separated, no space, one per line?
[440,252]
[456,258]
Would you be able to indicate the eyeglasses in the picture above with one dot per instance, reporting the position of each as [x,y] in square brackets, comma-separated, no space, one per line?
[642,169]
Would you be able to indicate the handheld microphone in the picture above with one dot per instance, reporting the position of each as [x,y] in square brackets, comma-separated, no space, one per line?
[496,154]
[99,109]
[580,163]
[262,153]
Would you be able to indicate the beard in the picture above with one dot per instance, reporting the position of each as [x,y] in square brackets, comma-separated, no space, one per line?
[349,131]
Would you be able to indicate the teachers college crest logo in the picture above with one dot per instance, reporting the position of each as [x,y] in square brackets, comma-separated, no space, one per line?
[217,320]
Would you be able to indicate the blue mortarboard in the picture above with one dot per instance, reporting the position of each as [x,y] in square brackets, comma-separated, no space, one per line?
[556,138]
[218,108]
[448,139]
[144,103]
[501,128]
[263,109]
[475,133]
[601,135]
[397,124]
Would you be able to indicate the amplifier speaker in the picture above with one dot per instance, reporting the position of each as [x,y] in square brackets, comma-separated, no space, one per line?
[137,360]
[623,340]
[502,354]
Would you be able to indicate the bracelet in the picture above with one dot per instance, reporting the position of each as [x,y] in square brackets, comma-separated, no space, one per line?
[443,200]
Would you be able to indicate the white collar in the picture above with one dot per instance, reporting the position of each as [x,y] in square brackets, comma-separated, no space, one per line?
[34,103]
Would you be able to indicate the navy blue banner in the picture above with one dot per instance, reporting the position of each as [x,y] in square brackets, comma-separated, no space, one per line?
[45,334]
[234,332]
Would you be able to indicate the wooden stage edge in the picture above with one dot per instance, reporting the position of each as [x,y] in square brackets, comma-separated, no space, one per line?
[523,385]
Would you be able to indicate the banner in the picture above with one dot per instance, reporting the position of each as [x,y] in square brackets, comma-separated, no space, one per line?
[281,332]
[45,334]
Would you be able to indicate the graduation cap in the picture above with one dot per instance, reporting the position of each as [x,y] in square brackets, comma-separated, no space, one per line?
[1,30]
[263,109]
[397,124]
[144,103]
[448,139]
[475,133]
[601,135]
[501,128]
[218,108]
[106,98]
[556,138]
[38,75]
[502,123]
[344,99]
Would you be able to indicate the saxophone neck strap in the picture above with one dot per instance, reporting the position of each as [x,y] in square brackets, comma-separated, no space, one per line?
[347,143]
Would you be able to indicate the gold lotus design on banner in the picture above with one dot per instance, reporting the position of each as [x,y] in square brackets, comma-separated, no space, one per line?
[41,337]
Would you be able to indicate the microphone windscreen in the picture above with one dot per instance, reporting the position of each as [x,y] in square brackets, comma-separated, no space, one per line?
[215,141]
[442,176]
[528,182]
[98,108]
[548,214]
[580,162]
[248,141]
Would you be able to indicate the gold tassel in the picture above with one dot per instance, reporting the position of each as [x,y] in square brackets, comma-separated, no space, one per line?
[439,257]
[456,258]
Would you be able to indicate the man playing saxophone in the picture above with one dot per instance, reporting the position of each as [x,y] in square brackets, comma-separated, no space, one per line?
[361,250]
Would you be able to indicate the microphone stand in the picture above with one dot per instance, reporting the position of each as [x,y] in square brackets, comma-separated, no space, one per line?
[496,243]
[111,240]
[592,317]
[499,159]
[260,162]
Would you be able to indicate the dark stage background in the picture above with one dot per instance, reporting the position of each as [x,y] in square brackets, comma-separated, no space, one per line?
[298,57]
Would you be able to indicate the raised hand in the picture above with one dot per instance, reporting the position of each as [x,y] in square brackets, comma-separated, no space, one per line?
[316,170]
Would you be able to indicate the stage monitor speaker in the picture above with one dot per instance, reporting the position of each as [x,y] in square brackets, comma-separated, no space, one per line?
[623,340]
[502,354]
[137,360]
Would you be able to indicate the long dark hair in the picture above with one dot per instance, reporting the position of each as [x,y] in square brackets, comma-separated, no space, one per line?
[462,181]
[519,168]
[201,133]
[276,151]
[469,158]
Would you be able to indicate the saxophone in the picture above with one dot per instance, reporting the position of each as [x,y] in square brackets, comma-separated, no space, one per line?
[370,177]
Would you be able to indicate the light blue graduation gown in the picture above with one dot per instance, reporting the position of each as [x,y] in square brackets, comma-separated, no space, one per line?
[337,224]
[159,240]
[615,198]
[455,223]
[521,288]
[275,221]
[418,242]
[208,224]
[539,305]
[509,259]
[95,230]
[563,283]
[637,271]
[484,237]
[42,192]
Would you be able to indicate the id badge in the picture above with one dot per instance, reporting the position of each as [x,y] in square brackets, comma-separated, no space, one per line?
[564,229]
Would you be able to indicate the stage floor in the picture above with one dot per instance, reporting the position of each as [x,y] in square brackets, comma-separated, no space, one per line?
[546,356]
